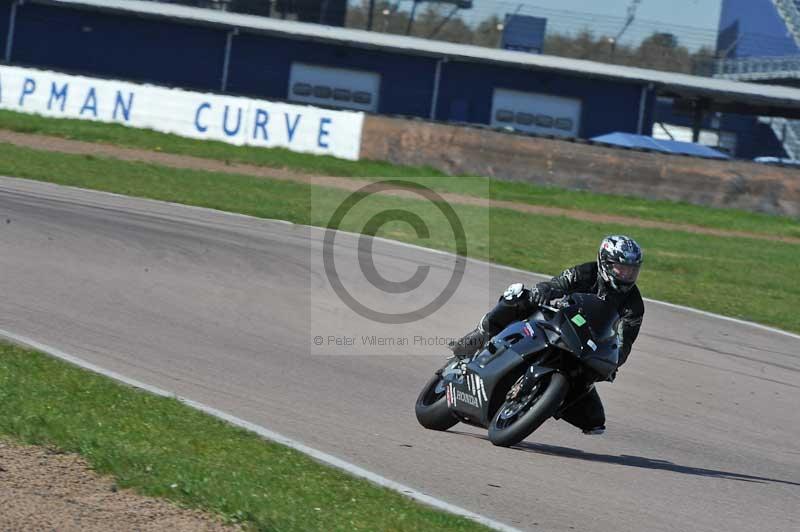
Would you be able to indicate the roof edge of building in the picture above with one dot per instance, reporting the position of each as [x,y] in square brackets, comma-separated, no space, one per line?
[695,85]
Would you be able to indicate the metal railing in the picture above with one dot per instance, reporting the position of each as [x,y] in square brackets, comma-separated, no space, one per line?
[755,68]
[791,15]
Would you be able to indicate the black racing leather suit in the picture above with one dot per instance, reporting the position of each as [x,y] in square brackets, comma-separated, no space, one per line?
[587,411]
[581,278]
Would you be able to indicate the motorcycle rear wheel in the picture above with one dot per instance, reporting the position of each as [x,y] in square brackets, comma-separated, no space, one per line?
[515,420]
[431,407]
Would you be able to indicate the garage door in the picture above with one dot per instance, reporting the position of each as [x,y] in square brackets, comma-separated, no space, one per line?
[334,87]
[532,112]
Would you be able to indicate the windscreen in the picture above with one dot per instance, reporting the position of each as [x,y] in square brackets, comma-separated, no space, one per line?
[592,314]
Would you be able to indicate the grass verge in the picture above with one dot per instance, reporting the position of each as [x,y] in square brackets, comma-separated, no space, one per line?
[160,447]
[706,272]
[152,140]
[665,211]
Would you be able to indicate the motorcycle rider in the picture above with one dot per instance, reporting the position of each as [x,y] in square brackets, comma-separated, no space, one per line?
[612,277]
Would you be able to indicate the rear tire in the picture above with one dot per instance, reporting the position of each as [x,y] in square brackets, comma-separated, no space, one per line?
[431,408]
[510,430]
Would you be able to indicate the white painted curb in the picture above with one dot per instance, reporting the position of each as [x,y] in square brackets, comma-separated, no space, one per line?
[265,433]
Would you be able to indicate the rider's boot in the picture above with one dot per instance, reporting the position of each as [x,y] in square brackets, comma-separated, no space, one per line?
[507,309]
[595,431]
[471,342]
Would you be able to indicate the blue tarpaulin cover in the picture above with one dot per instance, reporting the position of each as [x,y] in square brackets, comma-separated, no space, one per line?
[630,140]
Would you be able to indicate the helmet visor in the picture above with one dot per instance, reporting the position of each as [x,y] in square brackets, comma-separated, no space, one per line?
[625,273]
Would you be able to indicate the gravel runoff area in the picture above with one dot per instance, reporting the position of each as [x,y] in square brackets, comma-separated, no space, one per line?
[44,489]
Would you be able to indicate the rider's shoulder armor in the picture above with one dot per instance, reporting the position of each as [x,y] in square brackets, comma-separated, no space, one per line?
[580,278]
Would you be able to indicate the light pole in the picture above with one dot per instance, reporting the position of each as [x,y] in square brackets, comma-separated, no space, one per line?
[411,17]
[369,14]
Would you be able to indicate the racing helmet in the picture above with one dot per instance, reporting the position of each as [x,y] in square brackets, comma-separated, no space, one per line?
[619,261]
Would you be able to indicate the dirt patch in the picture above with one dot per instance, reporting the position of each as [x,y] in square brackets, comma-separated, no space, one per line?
[43,489]
[582,166]
[61,145]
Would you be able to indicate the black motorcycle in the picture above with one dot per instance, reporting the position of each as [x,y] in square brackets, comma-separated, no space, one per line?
[532,370]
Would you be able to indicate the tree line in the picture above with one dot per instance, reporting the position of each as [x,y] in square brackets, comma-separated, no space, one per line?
[660,51]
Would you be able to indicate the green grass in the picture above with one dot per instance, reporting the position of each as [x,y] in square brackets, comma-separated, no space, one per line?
[150,443]
[656,210]
[152,140]
[710,273]
[160,447]
[665,211]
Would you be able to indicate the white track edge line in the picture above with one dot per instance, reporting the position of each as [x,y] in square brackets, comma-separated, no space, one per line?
[267,434]
[675,306]
[546,276]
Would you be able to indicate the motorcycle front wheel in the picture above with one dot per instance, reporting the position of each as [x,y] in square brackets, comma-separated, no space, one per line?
[431,408]
[517,418]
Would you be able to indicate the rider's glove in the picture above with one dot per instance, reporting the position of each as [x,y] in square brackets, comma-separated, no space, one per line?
[541,294]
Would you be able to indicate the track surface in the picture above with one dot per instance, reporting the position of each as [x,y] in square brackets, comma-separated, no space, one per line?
[703,420]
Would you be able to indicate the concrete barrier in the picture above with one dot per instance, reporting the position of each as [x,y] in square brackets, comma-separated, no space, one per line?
[575,165]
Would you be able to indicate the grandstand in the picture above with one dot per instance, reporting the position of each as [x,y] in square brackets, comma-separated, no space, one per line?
[746,57]
[789,10]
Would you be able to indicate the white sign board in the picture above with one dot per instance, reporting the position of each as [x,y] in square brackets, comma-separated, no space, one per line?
[240,121]
[532,112]
[335,87]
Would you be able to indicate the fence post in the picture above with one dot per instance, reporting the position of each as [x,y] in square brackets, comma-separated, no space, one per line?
[437,76]
[12,23]
[227,61]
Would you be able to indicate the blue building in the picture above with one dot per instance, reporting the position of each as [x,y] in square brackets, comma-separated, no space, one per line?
[756,28]
[275,59]
[758,41]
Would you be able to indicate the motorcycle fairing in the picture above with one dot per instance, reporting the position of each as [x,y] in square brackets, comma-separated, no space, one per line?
[589,329]
[469,395]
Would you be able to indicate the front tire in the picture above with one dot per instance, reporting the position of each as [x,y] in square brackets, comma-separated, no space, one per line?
[431,408]
[515,420]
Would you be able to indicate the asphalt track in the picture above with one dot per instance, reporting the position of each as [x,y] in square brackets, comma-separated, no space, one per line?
[703,421]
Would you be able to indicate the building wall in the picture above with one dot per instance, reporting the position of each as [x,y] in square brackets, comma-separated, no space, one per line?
[753,139]
[175,54]
[170,53]
[5,11]
[466,95]
[764,143]
[476,151]
[753,28]
[260,67]
[110,45]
